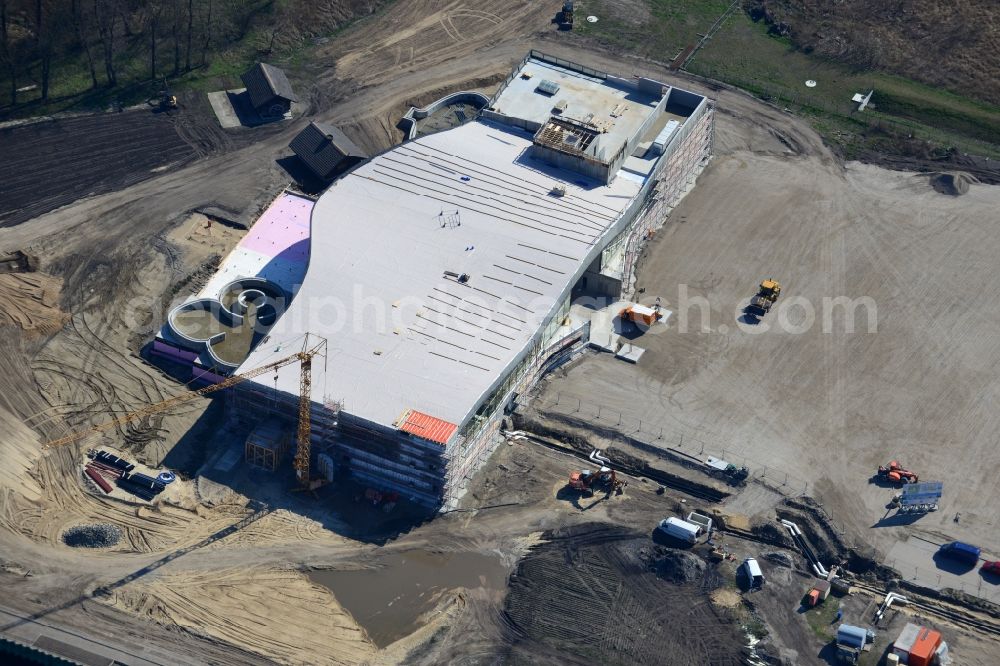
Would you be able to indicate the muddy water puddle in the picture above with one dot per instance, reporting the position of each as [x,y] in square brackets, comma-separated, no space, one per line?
[389,601]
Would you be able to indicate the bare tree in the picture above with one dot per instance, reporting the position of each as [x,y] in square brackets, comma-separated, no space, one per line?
[106,15]
[7,52]
[81,25]
[175,34]
[208,35]
[153,24]
[190,31]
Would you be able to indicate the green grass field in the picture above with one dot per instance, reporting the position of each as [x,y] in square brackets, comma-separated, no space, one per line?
[743,54]
[659,33]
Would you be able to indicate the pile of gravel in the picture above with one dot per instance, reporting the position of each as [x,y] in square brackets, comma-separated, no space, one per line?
[99,535]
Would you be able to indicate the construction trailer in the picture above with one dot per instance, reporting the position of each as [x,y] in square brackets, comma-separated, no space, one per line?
[680,529]
[751,569]
[640,314]
[851,641]
[818,593]
[920,646]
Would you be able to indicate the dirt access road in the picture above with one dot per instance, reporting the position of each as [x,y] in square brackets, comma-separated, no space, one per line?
[124,256]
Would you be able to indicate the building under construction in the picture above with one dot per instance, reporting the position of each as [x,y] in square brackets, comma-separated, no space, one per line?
[441,272]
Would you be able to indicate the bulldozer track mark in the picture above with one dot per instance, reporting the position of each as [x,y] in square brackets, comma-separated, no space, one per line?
[42,171]
[587,586]
[476,14]
[450,29]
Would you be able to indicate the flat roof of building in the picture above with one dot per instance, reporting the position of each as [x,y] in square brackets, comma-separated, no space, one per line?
[432,267]
[618,110]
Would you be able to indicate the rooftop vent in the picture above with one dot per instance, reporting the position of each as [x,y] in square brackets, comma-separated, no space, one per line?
[547,87]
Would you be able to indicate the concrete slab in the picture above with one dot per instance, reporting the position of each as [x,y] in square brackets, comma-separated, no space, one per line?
[914,559]
[794,395]
[630,353]
[233,109]
[223,108]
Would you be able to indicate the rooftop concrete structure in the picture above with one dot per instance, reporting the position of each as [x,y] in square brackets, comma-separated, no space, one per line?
[617,111]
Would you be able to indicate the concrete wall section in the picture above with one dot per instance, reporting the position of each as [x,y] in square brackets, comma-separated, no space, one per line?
[687,152]
[409,121]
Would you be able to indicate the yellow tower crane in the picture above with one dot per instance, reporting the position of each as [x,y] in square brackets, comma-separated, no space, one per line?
[303,358]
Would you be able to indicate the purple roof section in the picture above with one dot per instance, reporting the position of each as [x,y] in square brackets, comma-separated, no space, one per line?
[276,248]
[280,230]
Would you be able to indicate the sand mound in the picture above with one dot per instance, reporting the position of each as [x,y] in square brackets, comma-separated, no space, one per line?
[19,449]
[301,623]
[954,183]
[31,301]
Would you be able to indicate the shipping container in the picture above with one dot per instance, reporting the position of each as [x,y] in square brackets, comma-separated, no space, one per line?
[916,645]
[851,636]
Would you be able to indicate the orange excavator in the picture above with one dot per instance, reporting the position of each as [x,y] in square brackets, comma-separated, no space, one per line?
[587,480]
[894,473]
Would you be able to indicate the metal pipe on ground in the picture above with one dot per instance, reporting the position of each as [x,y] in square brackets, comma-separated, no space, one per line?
[98,479]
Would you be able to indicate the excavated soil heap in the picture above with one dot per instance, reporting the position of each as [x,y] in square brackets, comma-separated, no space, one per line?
[590,594]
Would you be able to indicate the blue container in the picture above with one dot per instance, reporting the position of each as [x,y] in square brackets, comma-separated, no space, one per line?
[851,636]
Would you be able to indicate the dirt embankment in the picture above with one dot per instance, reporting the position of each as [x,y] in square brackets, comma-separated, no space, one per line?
[300,624]
[31,302]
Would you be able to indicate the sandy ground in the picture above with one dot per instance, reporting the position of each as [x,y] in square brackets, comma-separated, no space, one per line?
[189,583]
[824,407]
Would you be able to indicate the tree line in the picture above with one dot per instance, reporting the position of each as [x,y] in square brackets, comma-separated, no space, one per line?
[40,39]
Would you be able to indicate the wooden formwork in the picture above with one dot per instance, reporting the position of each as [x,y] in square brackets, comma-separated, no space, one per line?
[266,446]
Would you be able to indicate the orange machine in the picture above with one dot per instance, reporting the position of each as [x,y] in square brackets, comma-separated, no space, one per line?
[894,473]
[586,480]
[918,646]
[640,314]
